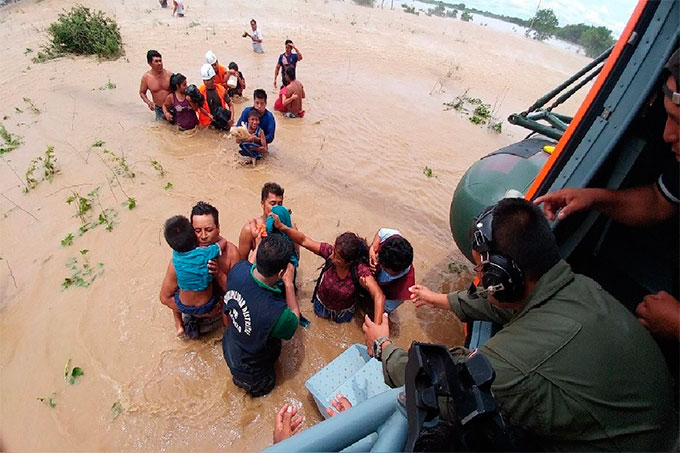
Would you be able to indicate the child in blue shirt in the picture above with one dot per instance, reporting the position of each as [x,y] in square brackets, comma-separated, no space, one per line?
[195,297]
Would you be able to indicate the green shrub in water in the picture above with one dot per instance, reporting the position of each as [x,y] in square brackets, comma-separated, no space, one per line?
[82,31]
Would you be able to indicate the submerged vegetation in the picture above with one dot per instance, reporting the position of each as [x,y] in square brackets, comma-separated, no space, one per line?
[42,168]
[82,31]
[9,141]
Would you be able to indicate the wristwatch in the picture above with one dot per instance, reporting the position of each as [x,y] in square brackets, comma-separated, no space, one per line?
[377,347]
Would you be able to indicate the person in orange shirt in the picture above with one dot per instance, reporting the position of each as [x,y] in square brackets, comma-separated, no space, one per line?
[221,73]
[217,108]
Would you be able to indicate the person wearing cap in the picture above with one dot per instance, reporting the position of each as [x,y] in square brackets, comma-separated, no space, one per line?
[221,72]
[639,206]
[217,102]
[574,368]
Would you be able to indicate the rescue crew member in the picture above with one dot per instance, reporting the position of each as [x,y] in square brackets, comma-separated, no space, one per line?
[573,366]
[261,314]
[217,108]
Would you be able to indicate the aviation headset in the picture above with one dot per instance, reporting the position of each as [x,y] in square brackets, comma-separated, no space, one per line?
[501,277]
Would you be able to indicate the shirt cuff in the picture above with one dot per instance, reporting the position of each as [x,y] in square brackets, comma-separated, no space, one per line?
[454,303]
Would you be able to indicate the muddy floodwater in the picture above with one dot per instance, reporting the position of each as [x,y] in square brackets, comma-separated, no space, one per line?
[375,81]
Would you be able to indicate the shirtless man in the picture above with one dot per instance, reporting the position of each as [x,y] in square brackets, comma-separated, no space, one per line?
[156,80]
[205,220]
[272,195]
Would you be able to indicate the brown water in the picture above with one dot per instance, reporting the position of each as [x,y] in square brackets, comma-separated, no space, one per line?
[376,80]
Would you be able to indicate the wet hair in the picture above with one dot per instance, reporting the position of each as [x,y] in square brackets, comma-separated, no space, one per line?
[395,254]
[176,80]
[260,94]
[253,112]
[273,255]
[253,21]
[233,66]
[271,187]
[290,73]
[180,234]
[351,248]
[288,41]
[151,54]
[521,231]
[203,208]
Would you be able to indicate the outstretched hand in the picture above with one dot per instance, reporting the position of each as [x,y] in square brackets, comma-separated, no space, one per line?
[286,425]
[277,221]
[340,403]
[422,295]
[564,202]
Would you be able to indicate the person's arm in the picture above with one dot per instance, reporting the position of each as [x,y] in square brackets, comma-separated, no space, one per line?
[143,87]
[263,142]
[168,287]
[226,261]
[297,51]
[377,295]
[660,314]
[288,99]
[166,108]
[245,241]
[243,118]
[297,236]
[466,308]
[637,206]
[269,129]
[193,105]
[372,252]
[257,37]
[276,72]
[291,299]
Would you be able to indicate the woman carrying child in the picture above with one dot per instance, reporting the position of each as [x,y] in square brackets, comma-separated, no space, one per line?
[184,108]
[345,278]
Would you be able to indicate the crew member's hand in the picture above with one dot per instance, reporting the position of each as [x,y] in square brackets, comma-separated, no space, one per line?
[566,201]
[286,425]
[212,267]
[422,295]
[277,221]
[373,331]
[340,403]
[660,314]
[288,275]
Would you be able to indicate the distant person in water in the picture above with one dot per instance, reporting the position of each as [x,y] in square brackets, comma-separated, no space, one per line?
[178,8]
[236,82]
[195,296]
[286,59]
[267,121]
[255,37]
[156,80]
[178,107]
[254,146]
[292,98]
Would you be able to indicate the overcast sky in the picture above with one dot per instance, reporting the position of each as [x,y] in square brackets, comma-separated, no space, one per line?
[613,14]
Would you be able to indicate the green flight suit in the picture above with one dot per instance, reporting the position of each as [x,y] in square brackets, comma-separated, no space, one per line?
[573,367]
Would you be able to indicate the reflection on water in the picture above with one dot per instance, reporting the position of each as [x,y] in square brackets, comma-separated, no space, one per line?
[355,162]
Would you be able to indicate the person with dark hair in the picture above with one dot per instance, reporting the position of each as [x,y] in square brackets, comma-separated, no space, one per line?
[255,37]
[253,148]
[156,80]
[574,369]
[267,121]
[345,282]
[286,59]
[391,261]
[178,107]
[271,195]
[236,83]
[261,314]
[217,109]
[204,225]
[639,206]
[195,295]
[292,95]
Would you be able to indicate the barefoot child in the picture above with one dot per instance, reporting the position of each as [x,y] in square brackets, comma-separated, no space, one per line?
[255,145]
[195,297]
[345,278]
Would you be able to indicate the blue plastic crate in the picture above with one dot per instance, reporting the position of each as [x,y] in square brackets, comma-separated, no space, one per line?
[353,374]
